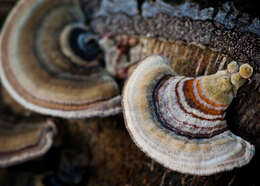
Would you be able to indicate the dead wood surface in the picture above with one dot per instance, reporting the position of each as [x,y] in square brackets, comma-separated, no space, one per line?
[100,151]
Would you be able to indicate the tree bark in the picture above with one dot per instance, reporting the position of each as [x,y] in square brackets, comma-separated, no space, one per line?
[102,148]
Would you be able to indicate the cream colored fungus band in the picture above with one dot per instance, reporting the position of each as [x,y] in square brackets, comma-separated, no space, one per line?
[24,140]
[180,121]
[48,61]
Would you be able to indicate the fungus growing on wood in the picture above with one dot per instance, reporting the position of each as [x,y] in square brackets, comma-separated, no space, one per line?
[180,121]
[24,140]
[49,61]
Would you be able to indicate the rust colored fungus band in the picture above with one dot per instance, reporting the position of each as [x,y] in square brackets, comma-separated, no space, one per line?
[169,126]
[194,103]
[150,105]
[204,98]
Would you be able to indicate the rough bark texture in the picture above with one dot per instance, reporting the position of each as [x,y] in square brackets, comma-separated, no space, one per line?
[100,151]
[223,28]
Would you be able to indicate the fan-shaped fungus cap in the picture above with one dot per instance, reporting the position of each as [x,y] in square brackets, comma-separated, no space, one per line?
[180,121]
[23,141]
[48,61]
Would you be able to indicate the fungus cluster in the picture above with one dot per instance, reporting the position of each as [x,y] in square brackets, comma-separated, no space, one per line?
[50,64]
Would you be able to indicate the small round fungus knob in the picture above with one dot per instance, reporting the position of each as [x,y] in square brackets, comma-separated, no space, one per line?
[232,67]
[245,71]
[180,121]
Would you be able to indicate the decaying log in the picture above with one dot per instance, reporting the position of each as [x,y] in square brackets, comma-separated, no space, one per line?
[103,147]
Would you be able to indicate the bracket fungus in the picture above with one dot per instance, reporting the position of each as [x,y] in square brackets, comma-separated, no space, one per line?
[180,121]
[24,140]
[49,61]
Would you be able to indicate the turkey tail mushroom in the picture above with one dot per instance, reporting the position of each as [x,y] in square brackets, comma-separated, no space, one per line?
[180,121]
[49,61]
[25,140]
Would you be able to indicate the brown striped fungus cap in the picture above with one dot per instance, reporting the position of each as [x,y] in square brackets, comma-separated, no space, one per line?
[180,121]
[25,140]
[49,61]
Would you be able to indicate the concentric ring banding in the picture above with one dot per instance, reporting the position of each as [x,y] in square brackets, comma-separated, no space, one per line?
[198,156]
[27,141]
[206,100]
[39,76]
[175,113]
[198,92]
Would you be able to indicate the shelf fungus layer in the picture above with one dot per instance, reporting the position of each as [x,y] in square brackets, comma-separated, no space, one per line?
[50,61]
[24,140]
[180,121]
